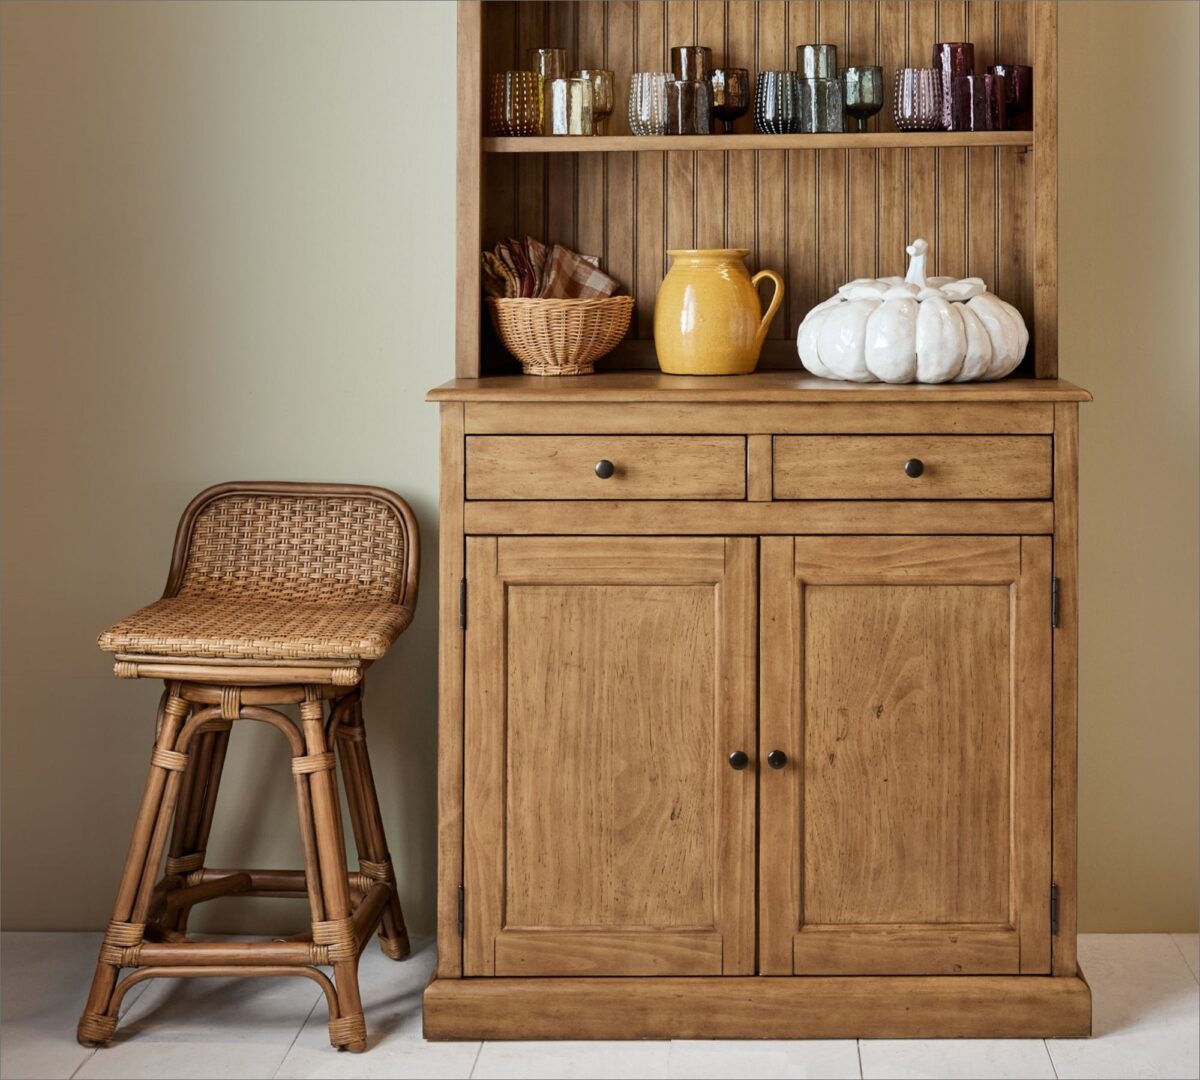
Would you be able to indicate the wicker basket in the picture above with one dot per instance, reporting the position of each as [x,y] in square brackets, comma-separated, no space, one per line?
[561,337]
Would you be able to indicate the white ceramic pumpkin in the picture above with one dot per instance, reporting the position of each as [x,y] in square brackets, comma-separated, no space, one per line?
[913,329]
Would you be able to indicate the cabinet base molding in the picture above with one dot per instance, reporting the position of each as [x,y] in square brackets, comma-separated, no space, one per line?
[759,1007]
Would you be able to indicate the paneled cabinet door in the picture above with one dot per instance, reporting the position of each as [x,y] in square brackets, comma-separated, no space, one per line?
[907,681]
[608,681]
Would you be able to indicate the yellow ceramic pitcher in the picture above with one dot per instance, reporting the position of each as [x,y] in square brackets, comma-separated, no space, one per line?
[707,317]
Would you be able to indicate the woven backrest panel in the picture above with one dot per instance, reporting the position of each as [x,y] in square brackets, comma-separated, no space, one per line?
[296,547]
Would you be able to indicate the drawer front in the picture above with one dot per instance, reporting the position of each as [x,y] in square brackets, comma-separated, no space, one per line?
[643,467]
[879,467]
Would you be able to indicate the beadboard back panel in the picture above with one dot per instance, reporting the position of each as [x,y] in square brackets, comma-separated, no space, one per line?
[819,217]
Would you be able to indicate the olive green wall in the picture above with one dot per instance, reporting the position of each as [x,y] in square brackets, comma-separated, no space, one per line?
[228,253]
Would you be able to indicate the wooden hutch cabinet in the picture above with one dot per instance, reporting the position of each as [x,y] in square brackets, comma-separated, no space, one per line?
[755,733]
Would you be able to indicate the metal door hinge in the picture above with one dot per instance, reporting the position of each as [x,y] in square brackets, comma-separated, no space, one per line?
[1053,910]
[1054,603]
[462,603]
[462,909]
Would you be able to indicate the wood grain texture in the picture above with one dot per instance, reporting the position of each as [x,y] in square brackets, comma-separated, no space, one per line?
[763,386]
[811,1008]
[468,204]
[1065,790]
[873,467]
[756,518]
[486,418]
[596,805]
[1045,192]
[451,568]
[758,468]
[910,694]
[646,467]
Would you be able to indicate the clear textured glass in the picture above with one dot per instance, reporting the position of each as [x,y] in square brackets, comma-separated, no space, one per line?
[821,105]
[648,102]
[515,107]
[817,61]
[917,99]
[548,63]
[863,93]
[568,108]
[776,103]
[689,107]
[603,94]
[731,95]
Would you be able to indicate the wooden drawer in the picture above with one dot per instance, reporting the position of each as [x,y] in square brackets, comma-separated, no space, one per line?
[873,467]
[644,467]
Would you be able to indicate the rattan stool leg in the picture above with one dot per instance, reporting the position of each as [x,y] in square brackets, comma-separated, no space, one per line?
[124,935]
[367,823]
[194,813]
[336,931]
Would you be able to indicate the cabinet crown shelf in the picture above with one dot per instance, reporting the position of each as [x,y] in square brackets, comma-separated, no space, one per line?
[869,140]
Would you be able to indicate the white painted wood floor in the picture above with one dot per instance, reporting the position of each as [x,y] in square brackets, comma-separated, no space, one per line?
[1146,997]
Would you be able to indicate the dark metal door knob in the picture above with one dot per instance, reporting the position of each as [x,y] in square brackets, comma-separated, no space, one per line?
[604,468]
[739,759]
[777,759]
[913,467]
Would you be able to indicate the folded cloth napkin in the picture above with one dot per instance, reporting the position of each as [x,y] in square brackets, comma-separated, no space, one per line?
[531,269]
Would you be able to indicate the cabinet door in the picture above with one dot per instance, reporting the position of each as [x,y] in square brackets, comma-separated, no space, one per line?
[608,681]
[907,680]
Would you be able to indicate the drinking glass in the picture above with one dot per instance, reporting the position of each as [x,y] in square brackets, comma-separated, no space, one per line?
[515,107]
[776,103]
[952,59]
[863,88]
[689,107]
[568,109]
[917,99]
[821,105]
[1018,93]
[548,63]
[648,102]
[730,95]
[817,61]
[691,63]
[603,89]
[978,103]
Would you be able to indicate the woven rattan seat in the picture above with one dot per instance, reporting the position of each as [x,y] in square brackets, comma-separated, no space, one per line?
[236,629]
[279,595]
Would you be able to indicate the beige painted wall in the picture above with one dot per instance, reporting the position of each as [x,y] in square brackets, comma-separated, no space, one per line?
[220,260]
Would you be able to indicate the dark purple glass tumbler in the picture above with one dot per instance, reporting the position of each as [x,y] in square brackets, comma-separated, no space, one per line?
[1018,94]
[978,103]
[952,59]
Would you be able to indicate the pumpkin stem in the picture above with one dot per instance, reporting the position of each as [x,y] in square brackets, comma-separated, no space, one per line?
[916,268]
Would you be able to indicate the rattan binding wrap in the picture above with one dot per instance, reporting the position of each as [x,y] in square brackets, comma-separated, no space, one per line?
[561,337]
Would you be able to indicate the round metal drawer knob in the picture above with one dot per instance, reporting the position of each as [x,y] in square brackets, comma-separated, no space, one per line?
[777,759]
[604,468]
[912,467]
[739,759]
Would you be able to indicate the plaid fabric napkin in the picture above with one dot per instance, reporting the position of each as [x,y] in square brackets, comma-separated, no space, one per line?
[531,269]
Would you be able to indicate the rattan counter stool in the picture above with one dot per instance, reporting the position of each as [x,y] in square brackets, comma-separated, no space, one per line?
[278,594]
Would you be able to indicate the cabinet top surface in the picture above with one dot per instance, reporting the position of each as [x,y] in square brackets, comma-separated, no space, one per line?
[765,386]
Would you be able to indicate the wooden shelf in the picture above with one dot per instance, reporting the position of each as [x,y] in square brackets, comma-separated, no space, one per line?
[868,140]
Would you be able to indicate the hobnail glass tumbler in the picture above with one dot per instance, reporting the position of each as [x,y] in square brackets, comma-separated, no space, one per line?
[516,103]
[777,103]
[648,102]
[821,105]
[917,99]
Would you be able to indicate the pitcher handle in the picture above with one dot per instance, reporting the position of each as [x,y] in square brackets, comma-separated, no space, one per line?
[772,307]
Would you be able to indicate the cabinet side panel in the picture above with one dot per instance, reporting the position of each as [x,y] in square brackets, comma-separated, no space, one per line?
[450,693]
[470,175]
[1066,683]
[1045,195]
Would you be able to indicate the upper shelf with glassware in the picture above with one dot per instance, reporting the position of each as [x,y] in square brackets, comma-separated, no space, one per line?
[867,140]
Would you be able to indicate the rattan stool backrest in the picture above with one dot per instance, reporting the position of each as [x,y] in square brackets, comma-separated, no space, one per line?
[302,542]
